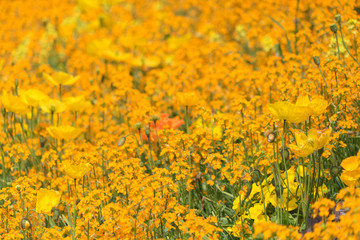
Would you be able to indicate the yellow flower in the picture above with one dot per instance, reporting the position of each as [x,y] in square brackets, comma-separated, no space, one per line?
[351,173]
[46,200]
[52,105]
[317,105]
[76,104]
[14,104]
[187,99]
[76,171]
[64,132]
[61,78]
[320,137]
[287,111]
[304,147]
[257,212]
[34,97]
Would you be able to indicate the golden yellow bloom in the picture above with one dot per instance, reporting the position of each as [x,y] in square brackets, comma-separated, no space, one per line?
[304,147]
[52,105]
[64,132]
[320,137]
[61,78]
[317,105]
[287,111]
[34,97]
[14,104]
[76,104]
[46,200]
[76,171]
[351,173]
[187,99]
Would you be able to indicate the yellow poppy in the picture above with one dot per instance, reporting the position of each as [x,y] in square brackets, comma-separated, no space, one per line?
[187,99]
[33,97]
[76,104]
[61,78]
[351,173]
[320,137]
[64,132]
[14,104]
[76,171]
[46,200]
[52,105]
[284,110]
[304,147]
[317,105]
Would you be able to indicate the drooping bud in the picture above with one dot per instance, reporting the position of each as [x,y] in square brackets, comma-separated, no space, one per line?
[333,28]
[338,18]
[271,136]
[17,187]
[316,60]
[56,214]
[334,171]
[285,153]
[25,223]
[256,175]
[279,190]
[248,189]
[121,141]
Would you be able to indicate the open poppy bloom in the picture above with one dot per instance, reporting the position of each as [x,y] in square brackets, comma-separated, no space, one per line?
[351,173]
[61,78]
[285,110]
[14,104]
[33,97]
[317,105]
[64,132]
[305,145]
[163,123]
[46,200]
[76,171]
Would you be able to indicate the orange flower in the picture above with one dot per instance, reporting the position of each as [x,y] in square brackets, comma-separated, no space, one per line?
[163,123]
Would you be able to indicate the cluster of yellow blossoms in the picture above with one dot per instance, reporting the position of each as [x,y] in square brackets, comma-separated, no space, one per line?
[164,119]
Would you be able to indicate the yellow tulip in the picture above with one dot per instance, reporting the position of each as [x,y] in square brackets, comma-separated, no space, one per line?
[284,110]
[14,104]
[76,171]
[64,132]
[317,105]
[46,200]
[61,78]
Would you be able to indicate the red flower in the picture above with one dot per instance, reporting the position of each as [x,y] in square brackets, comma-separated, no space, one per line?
[163,123]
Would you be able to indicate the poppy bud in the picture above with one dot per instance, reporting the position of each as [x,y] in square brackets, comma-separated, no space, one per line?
[256,175]
[155,118]
[321,151]
[334,171]
[10,131]
[25,224]
[271,136]
[286,153]
[121,141]
[338,18]
[56,214]
[279,190]
[147,132]
[238,140]
[316,60]
[333,28]
[248,189]
[17,187]
[137,125]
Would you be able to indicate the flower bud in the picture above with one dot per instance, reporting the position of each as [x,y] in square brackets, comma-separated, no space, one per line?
[121,141]
[334,171]
[333,28]
[17,187]
[147,132]
[137,125]
[25,223]
[248,189]
[279,190]
[316,60]
[338,18]
[256,175]
[155,118]
[271,136]
[56,214]
[285,153]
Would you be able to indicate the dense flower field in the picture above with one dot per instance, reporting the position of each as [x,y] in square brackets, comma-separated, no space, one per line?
[179,119]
